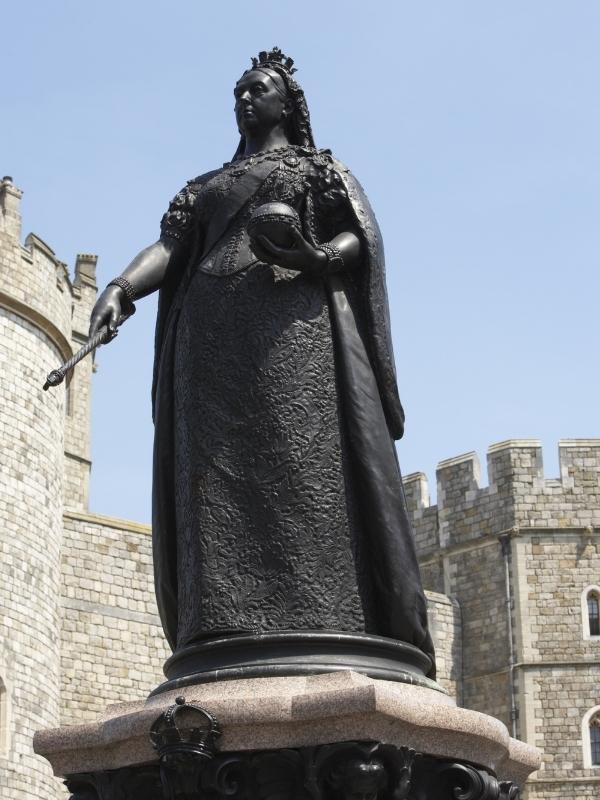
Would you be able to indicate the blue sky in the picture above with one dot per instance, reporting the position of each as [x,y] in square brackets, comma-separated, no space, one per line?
[473,125]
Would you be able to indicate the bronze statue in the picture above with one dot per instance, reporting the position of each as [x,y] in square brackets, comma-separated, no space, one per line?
[277,505]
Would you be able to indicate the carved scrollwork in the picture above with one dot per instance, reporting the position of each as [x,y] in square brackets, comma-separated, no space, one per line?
[465,782]
[225,778]
[341,771]
[470,783]
[509,791]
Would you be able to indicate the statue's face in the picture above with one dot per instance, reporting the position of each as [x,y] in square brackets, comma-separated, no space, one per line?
[258,104]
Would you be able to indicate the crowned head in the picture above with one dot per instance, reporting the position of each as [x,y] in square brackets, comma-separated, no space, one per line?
[274,70]
[274,58]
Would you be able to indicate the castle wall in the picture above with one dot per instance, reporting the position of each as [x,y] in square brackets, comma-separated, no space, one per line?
[561,696]
[445,626]
[558,668]
[112,646]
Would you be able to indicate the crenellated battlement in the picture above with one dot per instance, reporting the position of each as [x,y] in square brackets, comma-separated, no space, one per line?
[518,494]
[35,284]
[38,292]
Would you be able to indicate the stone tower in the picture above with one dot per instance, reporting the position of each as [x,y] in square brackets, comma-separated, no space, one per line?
[44,467]
[521,557]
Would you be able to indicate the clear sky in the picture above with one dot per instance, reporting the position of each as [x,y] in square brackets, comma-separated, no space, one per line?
[473,125]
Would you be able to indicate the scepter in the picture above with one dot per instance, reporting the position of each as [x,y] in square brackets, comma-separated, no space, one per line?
[103,336]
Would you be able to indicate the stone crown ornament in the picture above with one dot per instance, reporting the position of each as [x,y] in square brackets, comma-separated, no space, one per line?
[185,731]
[274,58]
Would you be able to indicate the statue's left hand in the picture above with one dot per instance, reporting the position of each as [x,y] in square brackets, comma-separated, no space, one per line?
[301,255]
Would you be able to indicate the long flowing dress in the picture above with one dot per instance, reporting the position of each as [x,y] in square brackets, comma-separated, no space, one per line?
[278,502]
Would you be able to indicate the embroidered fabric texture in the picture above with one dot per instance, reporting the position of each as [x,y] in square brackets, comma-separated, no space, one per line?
[303,179]
[267,524]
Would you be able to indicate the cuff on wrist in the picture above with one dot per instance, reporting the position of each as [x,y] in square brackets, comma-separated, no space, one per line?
[124,284]
[335,260]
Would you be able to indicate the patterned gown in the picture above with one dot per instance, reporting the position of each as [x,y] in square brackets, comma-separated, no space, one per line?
[268,526]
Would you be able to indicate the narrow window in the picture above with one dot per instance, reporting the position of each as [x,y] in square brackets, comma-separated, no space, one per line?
[595,741]
[69,400]
[3,720]
[590,613]
[593,605]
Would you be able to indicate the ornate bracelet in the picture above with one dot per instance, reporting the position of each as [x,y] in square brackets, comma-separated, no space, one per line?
[335,261]
[124,284]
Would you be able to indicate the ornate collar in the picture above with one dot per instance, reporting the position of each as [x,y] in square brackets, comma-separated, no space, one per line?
[288,152]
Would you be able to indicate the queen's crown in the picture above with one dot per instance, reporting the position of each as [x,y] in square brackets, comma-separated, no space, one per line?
[184,731]
[274,58]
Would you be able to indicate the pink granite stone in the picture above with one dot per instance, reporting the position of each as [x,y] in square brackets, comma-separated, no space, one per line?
[271,713]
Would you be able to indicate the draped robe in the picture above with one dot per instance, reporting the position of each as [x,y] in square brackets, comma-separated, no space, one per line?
[277,500]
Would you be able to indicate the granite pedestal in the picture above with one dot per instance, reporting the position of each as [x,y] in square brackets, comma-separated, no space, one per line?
[334,735]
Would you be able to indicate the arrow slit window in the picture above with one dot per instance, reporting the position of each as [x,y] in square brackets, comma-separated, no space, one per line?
[593,608]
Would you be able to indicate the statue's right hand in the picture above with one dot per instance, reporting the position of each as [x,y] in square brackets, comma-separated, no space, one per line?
[108,309]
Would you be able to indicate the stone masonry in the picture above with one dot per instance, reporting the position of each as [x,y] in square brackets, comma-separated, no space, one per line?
[38,328]
[504,565]
[517,556]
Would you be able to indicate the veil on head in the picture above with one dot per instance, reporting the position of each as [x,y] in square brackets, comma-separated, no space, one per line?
[299,130]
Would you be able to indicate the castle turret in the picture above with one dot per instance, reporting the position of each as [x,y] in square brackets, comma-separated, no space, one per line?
[521,559]
[41,322]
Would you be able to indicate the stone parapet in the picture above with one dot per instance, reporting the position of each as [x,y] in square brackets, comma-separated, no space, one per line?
[518,495]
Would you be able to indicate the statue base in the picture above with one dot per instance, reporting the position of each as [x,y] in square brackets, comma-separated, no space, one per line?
[290,653]
[336,736]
